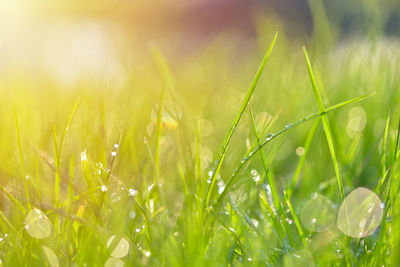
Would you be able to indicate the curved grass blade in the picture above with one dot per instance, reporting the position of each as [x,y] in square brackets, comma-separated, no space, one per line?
[20,157]
[66,129]
[270,137]
[383,158]
[236,122]
[396,146]
[57,169]
[296,220]
[325,122]
[13,199]
[271,181]
[5,219]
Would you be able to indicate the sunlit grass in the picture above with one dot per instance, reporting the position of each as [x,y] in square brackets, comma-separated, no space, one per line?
[181,166]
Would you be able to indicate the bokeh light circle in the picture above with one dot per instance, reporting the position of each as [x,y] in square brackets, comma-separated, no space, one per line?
[121,249]
[318,213]
[37,224]
[360,213]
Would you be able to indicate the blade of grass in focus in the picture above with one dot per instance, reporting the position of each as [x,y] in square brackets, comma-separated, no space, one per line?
[236,122]
[275,195]
[325,122]
[270,137]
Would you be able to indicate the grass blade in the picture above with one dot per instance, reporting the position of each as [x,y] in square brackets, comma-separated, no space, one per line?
[236,121]
[271,181]
[13,199]
[21,159]
[296,220]
[383,158]
[325,123]
[57,169]
[270,137]
[66,129]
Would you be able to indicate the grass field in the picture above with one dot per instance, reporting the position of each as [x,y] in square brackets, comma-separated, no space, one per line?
[273,153]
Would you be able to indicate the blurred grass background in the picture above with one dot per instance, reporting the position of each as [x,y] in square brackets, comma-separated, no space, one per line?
[101,56]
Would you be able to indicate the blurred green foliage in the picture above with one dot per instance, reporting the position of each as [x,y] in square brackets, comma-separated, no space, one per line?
[133,159]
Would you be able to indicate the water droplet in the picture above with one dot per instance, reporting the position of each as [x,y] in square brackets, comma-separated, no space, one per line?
[300,151]
[269,137]
[221,186]
[151,205]
[121,249]
[104,188]
[256,178]
[268,188]
[132,214]
[132,192]
[83,156]
[114,153]
[288,126]
[37,224]
[116,145]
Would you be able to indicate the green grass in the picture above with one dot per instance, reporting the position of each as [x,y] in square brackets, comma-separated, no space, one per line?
[172,164]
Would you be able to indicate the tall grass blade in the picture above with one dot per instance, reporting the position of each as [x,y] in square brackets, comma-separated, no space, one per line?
[21,163]
[271,182]
[325,122]
[67,126]
[57,169]
[271,137]
[236,122]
